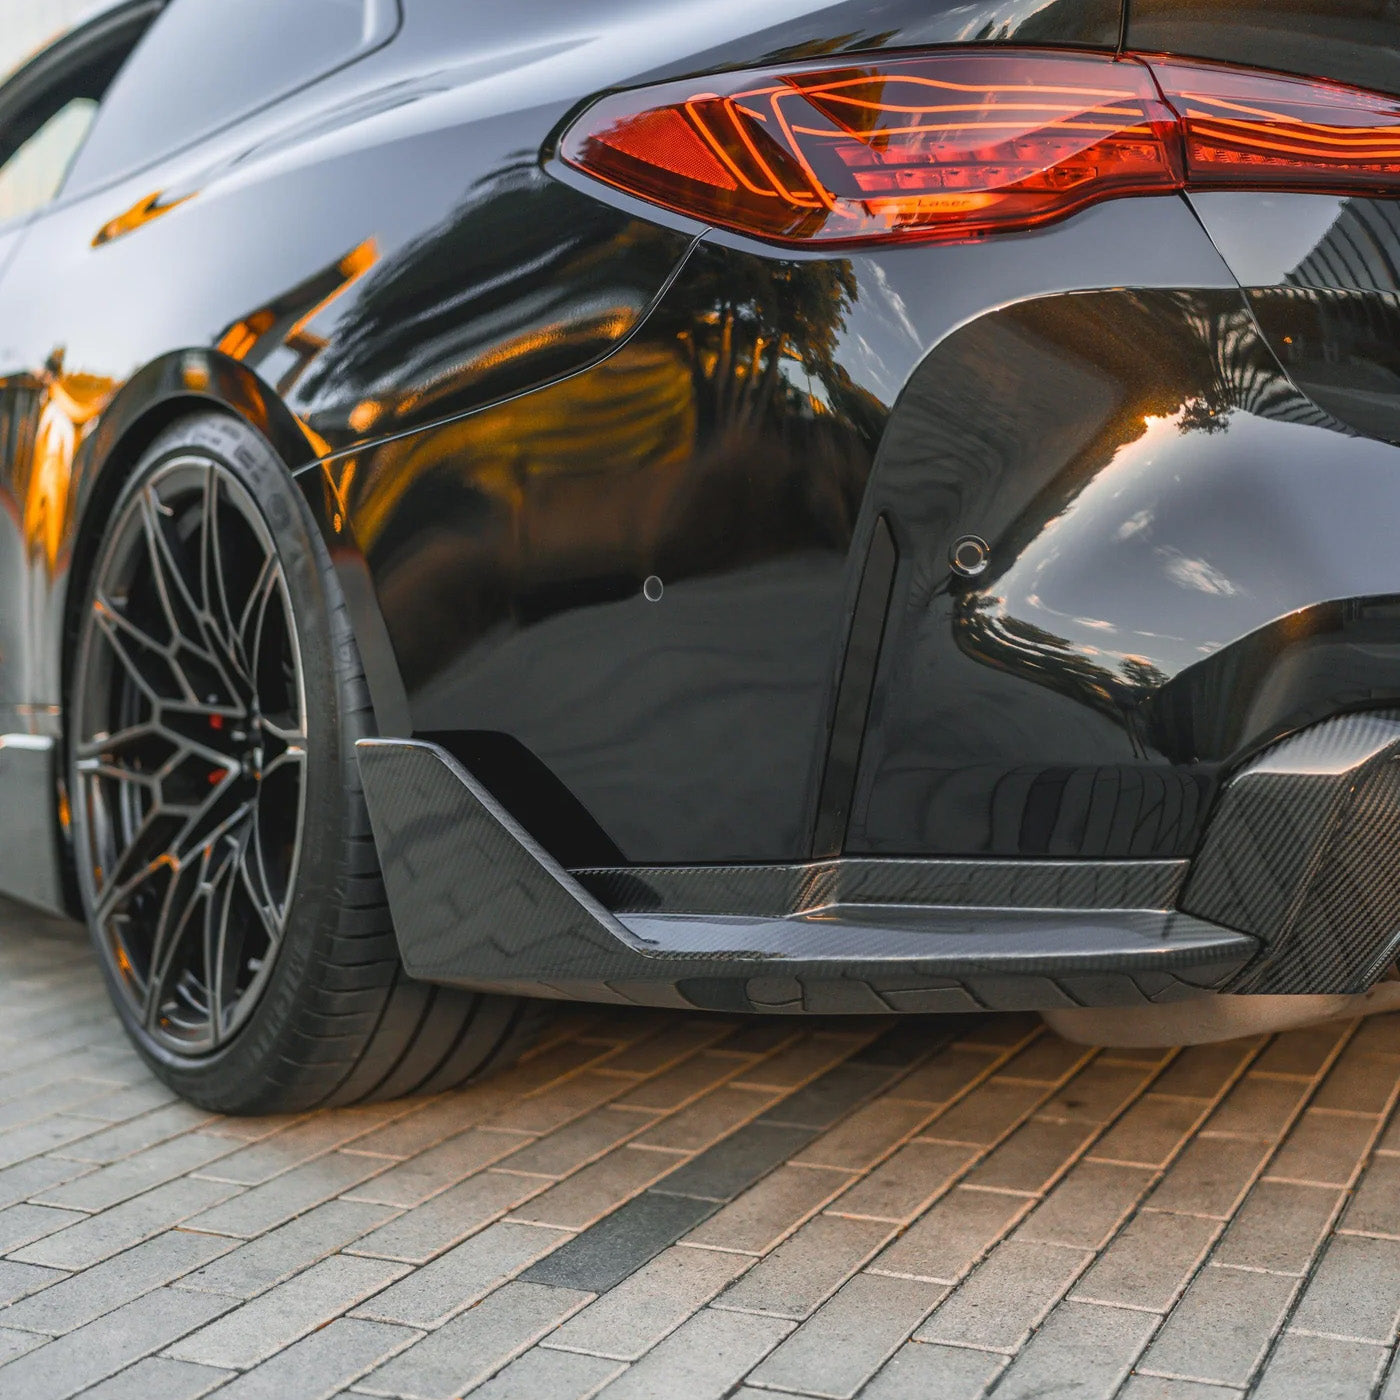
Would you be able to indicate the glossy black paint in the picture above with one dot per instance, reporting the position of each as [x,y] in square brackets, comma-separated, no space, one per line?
[378,250]
[512,398]
[1353,41]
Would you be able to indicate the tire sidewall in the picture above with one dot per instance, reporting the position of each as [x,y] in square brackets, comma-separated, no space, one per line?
[239,1070]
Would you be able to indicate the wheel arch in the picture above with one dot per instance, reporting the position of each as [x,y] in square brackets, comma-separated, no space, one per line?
[176,385]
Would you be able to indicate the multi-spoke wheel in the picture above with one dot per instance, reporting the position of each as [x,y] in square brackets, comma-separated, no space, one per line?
[222,846]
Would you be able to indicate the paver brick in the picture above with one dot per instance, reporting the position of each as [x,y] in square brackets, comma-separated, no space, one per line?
[578,1143]
[98,1237]
[1354,1292]
[754,1222]
[702,1360]
[456,1280]
[414,1180]
[301,1141]
[552,1107]
[73,1363]
[903,1186]
[947,1241]
[1151,1131]
[1324,1148]
[680,1084]
[1170,1388]
[862,1139]
[667,1046]
[19,1280]
[849,1337]
[925,1369]
[1087,1205]
[24,1223]
[794,1066]
[85,1296]
[1046,1060]
[797,1277]
[1221,1327]
[1279,1227]
[19,1144]
[628,1321]
[829,1097]
[250,1211]
[1150,1262]
[1211,1176]
[255,1330]
[140,1095]
[119,1181]
[1097,1093]
[1082,1350]
[951,1072]
[14,1343]
[136,1134]
[589,1194]
[1205,1071]
[987,1113]
[618,1245]
[1375,1207]
[269,1259]
[475,1344]
[1258,1106]
[452,1215]
[1320,1368]
[707,1120]
[159,1378]
[26,1179]
[1033,1156]
[1006,1296]
[1305,1051]
[733,1164]
[318,1365]
[551,1375]
[1360,1082]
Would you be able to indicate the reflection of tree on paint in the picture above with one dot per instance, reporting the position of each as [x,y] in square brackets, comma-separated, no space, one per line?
[724,435]
[1190,360]
[523,281]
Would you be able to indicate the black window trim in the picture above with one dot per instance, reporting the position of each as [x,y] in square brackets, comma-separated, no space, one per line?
[122,23]
[383,21]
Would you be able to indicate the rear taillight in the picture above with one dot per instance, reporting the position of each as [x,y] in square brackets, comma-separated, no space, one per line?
[958,143]
[1244,130]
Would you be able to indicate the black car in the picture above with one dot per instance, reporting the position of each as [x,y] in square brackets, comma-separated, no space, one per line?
[852,507]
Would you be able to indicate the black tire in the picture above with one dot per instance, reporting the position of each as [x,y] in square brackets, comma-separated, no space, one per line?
[303,998]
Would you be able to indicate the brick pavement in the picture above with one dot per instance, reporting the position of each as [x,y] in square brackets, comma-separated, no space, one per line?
[662,1205]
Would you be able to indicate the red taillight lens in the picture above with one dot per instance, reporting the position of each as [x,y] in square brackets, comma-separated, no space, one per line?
[1262,130]
[946,145]
[958,143]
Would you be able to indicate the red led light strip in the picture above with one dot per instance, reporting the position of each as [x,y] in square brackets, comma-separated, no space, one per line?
[957,143]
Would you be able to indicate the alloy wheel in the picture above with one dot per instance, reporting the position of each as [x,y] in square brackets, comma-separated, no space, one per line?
[188,755]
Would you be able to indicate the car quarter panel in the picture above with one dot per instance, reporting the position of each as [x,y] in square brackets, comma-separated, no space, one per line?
[738,451]
[380,248]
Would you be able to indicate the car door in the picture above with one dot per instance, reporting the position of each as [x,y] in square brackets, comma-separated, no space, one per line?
[47,109]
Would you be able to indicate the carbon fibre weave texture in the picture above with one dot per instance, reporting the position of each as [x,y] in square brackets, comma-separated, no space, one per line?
[776,890]
[476,902]
[1302,853]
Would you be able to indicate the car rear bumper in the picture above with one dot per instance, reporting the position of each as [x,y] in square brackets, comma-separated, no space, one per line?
[478,903]
[1290,893]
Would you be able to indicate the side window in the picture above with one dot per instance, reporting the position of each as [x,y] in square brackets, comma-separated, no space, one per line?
[206,62]
[32,175]
[49,105]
